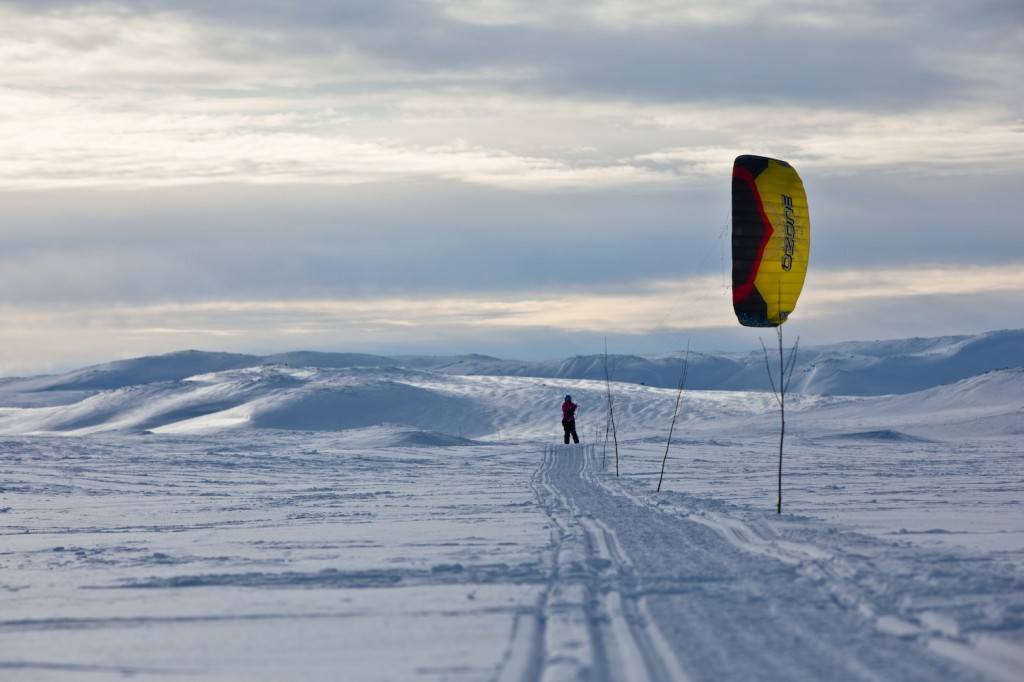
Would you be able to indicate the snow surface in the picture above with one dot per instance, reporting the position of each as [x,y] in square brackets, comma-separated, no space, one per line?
[341,517]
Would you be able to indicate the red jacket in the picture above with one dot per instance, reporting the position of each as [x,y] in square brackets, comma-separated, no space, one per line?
[568,410]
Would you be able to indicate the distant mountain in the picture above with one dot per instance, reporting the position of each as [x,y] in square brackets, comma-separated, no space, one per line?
[851,368]
[856,368]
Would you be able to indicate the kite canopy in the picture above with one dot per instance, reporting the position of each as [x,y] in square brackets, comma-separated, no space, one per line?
[770,240]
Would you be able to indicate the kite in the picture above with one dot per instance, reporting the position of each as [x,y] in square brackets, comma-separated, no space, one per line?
[770,240]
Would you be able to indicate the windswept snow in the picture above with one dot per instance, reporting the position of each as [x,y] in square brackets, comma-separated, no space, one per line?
[330,516]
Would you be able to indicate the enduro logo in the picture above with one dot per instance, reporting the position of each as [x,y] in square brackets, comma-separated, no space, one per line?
[789,245]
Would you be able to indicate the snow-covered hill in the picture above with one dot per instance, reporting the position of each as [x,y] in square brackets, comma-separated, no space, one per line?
[852,368]
[460,408]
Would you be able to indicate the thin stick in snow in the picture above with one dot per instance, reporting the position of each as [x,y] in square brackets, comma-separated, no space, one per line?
[611,411]
[675,413]
[785,374]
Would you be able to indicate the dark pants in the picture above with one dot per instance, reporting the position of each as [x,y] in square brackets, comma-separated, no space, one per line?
[570,430]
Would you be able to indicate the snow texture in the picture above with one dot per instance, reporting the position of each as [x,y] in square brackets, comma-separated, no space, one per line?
[325,516]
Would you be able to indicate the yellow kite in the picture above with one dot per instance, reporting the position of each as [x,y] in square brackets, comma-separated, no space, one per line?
[771,237]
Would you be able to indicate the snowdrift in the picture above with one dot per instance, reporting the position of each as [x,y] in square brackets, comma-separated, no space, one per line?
[270,397]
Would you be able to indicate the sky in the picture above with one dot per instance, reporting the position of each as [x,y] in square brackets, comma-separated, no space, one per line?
[520,179]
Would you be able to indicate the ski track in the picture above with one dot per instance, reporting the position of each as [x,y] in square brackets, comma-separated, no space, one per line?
[592,623]
[671,595]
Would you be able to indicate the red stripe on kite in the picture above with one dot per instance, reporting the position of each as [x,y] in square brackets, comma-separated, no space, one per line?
[744,290]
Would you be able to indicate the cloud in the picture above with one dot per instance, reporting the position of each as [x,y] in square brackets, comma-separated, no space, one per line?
[141,150]
[535,167]
[155,94]
[205,242]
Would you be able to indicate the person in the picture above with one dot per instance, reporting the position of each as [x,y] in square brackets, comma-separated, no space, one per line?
[569,419]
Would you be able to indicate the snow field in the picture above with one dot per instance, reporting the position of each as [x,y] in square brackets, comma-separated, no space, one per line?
[259,558]
[273,522]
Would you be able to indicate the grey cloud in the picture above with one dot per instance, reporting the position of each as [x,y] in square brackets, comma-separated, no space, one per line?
[863,64]
[986,15]
[912,220]
[876,63]
[369,240]
[743,64]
